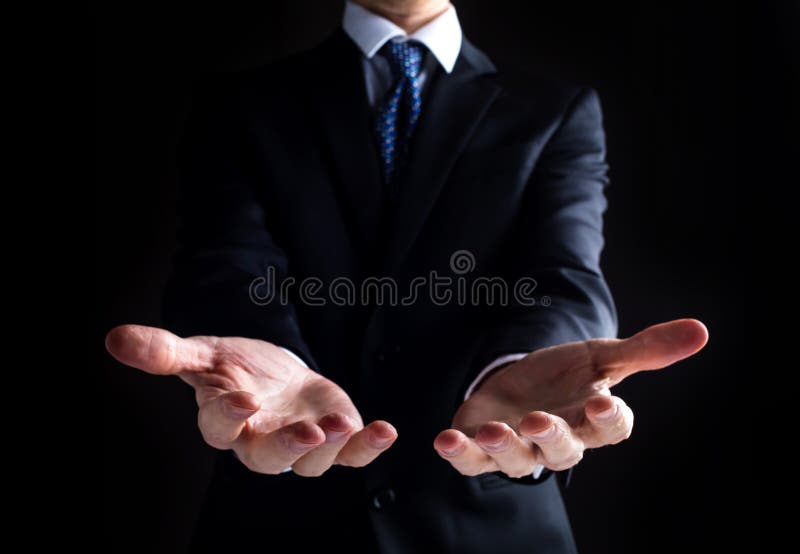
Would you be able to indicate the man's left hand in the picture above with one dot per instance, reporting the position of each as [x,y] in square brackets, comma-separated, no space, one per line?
[550,406]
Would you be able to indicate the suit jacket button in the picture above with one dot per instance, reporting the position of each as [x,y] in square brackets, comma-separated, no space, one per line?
[382,499]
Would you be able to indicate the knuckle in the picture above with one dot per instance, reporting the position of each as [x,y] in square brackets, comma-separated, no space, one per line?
[212,436]
[309,472]
[516,474]
[213,439]
[566,463]
[468,470]
[215,443]
[623,436]
[623,432]
[563,436]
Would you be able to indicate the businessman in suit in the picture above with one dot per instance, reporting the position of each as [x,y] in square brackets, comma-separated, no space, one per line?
[395,149]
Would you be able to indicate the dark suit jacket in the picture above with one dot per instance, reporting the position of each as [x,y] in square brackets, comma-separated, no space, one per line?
[280,170]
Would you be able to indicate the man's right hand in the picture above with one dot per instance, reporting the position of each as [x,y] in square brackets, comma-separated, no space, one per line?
[258,401]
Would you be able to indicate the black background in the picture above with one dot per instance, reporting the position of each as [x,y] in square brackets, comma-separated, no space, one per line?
[681,83]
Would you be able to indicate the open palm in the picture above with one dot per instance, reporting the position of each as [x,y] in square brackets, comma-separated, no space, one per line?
[257,400]
[549,406]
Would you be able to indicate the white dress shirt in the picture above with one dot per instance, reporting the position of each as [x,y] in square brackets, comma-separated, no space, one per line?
[369,31]
[442,37]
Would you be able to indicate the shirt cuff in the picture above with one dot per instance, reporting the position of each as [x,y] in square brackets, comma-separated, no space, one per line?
[501,361]
[498,363]
[300,361]
[294,356]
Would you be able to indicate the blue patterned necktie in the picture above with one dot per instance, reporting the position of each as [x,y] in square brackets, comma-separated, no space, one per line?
[398,115]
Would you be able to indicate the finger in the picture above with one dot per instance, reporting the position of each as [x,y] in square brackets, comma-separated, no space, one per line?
[463,453]
[367,444]
[222,419]
[158,351]
[653,348]
[273,452]
[511,453]
[559,447]
[610,421]
[338,428]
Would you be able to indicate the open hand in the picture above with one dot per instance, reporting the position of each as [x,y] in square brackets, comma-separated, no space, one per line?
[551,405]
[258,401]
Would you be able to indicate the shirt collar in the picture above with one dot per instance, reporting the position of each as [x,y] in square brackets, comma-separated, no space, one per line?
[370,32]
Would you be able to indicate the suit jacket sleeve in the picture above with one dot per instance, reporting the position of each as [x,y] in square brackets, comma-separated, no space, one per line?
[557,242]
[224,237]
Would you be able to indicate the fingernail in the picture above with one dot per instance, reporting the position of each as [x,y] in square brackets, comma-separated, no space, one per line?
[548,433]
[333,436]
[496,445]
[239,412]
[336,427]
[607,414]
[452,451]
[380,442]
[301,437]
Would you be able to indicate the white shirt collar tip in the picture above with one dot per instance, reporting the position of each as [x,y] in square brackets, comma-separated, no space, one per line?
[370,32]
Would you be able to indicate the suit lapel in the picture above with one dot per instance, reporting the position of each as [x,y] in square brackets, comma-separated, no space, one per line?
[339,96]
[452,110]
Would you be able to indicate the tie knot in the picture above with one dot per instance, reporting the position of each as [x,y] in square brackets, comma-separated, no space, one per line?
[405,59]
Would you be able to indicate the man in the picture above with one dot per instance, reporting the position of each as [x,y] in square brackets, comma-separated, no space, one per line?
[395,149]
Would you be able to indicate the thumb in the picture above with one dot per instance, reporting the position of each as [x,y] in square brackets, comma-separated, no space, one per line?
[158,351]
[653,348]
